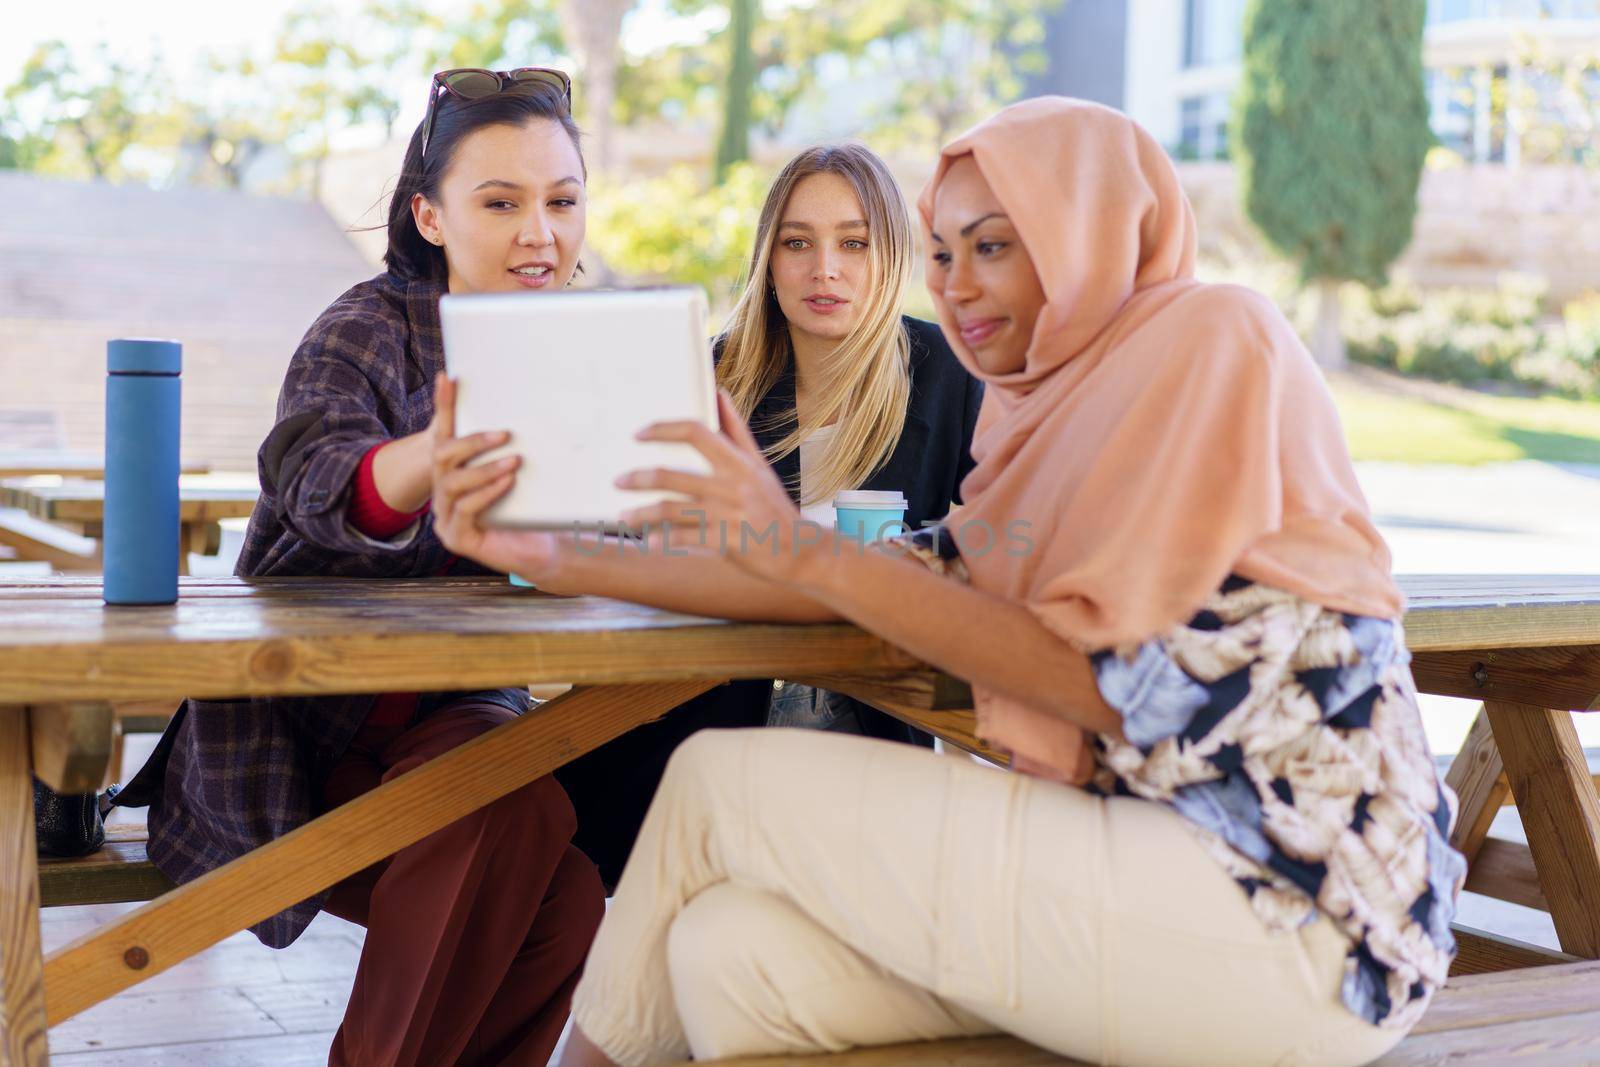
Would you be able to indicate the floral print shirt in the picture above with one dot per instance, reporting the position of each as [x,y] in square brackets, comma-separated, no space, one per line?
[1288,736]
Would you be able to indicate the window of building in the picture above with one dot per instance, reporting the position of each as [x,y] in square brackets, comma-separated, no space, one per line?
[1203,127]
[1467,110]
[1461,10]
[1453,10]
[1189,128]
[1556,112]
[1191,25]
[1450,109]
[1213,32]
[1491,117]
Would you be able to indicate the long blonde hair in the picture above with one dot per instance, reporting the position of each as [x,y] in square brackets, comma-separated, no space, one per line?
[869,398]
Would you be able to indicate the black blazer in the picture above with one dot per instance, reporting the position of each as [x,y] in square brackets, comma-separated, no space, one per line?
[927,464]
[934,450]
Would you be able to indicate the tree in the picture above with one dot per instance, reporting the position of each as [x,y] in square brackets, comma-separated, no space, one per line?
[595,34]
[20,148]
[930,67]
[87,120]
[332,81]
[952,61]
[733,145]
[673,228]
[498,34]
[226,147]
[1330,133]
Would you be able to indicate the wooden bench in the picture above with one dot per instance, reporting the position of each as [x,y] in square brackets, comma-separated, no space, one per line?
[117,873]
[1548,1016]
[121,871]
[32,430]
[30,433]
[33,529]
[31,539]
[33,442]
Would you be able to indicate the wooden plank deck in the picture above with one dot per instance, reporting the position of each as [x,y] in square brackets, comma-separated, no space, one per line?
[238,1003]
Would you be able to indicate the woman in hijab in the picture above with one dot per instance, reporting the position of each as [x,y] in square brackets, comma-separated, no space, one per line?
[1228,843]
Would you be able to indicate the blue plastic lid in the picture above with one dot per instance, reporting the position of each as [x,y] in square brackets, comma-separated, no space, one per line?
[143,355]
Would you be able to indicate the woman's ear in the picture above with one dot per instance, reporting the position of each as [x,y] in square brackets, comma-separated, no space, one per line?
[426,217]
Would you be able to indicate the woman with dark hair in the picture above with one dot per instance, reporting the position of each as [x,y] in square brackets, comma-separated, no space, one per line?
[475,934]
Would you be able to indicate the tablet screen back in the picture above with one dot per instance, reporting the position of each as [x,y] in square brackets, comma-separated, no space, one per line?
[573,376]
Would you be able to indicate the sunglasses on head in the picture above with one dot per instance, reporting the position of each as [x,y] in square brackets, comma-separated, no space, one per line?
[474,83]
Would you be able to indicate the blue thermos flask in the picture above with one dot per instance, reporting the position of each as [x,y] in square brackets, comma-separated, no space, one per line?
[141,516]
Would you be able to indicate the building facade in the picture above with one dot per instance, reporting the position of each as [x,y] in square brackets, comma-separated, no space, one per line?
[1509,81]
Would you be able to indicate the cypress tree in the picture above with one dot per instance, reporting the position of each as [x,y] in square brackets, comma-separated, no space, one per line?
[1330,132]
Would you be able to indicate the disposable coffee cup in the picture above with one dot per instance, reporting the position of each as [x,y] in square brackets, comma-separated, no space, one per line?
[870,514]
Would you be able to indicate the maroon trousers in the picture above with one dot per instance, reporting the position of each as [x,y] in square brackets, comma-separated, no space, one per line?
[477,933]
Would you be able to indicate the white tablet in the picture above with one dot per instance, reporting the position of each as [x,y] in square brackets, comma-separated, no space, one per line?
[573,376]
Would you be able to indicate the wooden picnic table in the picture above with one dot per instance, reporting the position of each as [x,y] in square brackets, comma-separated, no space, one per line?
[1525,645]
[78,506]
[33,463]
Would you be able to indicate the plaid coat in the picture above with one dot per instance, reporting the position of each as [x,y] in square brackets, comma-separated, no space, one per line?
[229,776]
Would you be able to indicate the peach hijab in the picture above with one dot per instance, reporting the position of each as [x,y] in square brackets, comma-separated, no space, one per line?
[1161,434]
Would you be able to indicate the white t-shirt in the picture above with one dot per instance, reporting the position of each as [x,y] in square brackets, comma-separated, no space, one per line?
[811,450]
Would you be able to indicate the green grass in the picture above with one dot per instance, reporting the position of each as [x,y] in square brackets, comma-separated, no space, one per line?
[1478,428]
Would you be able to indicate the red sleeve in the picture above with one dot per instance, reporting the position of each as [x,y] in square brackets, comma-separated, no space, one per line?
[367,512]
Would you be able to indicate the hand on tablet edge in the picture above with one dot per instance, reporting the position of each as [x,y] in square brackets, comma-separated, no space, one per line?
[741,507]
[461,493]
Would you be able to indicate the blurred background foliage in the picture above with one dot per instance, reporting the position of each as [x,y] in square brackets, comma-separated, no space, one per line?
[685,125]
[334,69]
[336,75]
[673,229]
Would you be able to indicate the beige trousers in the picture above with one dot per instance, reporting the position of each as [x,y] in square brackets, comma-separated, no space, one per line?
[797,891]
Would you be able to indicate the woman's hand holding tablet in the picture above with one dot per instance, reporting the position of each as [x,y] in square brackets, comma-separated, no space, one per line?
[740,504]
[462,490]
[572,377]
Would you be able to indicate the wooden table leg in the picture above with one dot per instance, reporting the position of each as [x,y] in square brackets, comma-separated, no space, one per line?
[205,538]
[199,539]
[71,745]
[1477,776]
[1556,799]
[22,1026]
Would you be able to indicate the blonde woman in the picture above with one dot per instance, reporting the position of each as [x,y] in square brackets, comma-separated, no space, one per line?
[842,392]
[841,389]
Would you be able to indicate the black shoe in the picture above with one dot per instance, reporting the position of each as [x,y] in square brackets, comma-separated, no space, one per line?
[66,826]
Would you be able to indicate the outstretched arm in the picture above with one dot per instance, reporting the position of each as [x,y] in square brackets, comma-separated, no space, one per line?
[666,571]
